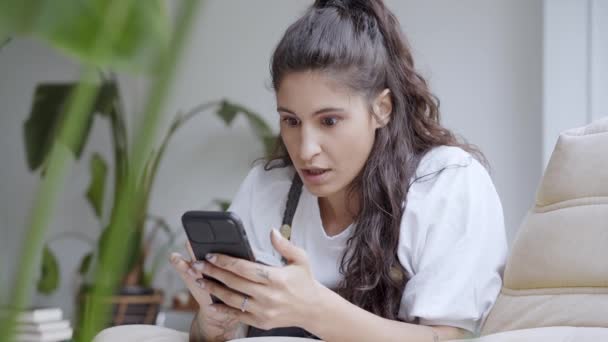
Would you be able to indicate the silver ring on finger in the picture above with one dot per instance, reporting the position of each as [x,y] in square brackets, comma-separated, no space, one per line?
[244,303]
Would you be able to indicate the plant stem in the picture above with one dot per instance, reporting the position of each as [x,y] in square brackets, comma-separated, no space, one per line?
[121,229]
[79,105]
[159,92]
[177,123]
[119,142]
[198,109]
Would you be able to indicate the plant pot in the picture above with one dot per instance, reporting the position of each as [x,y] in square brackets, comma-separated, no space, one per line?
[136,305]
[132,305]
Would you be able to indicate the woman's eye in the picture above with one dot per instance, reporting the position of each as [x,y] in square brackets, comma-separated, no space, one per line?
[329,121]
[290,121]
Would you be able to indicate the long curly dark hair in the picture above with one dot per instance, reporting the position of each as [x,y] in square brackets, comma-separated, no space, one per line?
[360,44]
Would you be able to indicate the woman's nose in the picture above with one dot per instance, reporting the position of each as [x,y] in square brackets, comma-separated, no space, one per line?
[309,145]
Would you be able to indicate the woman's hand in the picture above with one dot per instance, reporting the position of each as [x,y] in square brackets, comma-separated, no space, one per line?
[264,296]
[208,325]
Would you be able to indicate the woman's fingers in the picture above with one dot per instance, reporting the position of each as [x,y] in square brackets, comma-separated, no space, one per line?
[230,297]
[190,251]
[221,317]
[252,271]
[183,266]
[191,278]
[230,279]
[244,317]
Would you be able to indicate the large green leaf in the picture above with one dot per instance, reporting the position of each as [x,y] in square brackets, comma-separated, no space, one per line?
[44,122]
[49,272]
[97,186]
[228,111]
[72,25]
[47,116]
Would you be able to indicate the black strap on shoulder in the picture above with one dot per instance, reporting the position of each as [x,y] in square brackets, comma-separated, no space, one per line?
[293,197]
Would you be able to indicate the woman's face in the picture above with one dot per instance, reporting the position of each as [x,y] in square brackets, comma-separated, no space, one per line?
[328,131]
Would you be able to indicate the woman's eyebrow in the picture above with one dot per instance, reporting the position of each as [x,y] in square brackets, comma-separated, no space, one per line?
[320,111]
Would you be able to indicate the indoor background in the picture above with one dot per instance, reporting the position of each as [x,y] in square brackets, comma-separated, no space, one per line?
[510,74]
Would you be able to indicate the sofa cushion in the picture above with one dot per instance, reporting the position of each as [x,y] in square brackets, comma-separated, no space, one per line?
[140,333]
[151,333]
[547,334]
[578,164]
[557,270]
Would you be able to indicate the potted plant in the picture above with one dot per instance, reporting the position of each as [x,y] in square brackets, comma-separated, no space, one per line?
[137,301]
[131,36]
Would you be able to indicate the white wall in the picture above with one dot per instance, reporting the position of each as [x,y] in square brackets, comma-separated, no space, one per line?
[483,60]
[598,71]
[575,71]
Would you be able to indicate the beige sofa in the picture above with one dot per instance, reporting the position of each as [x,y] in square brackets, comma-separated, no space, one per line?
[556,278]
[557,271]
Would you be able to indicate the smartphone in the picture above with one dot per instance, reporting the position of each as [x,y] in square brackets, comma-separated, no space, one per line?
[221,232]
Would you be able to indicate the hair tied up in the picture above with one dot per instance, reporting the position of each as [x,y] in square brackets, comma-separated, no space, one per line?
[362,5]
[370,11]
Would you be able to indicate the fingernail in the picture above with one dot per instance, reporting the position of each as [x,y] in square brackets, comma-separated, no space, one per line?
[210,257]
[276,233]
[175,257]
[201,283]
[199,266]
[192,273]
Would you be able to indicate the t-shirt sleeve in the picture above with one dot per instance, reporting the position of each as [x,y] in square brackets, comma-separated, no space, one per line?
[453,245]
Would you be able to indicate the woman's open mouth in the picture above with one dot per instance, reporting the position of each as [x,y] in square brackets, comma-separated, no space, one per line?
[315,175]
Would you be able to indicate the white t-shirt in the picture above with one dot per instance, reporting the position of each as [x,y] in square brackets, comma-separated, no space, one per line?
[452,240]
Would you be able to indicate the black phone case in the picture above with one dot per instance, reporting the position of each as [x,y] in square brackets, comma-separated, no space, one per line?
[216,232]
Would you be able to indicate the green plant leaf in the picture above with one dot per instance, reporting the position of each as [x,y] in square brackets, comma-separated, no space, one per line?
[228,111]
[106,98]
[72,25]
[260,127]
[97,186]
[223,204]
[49,272]
[44,122]
[47,116]
[85,264]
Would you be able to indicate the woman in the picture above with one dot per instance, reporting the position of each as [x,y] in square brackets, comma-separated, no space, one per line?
[398,232]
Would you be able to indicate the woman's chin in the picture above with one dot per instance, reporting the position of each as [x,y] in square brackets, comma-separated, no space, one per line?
[323,190]
[316,190]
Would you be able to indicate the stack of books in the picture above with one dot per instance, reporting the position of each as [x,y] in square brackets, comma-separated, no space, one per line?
[42,325]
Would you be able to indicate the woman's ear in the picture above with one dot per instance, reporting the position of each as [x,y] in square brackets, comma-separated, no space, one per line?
[382,108]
